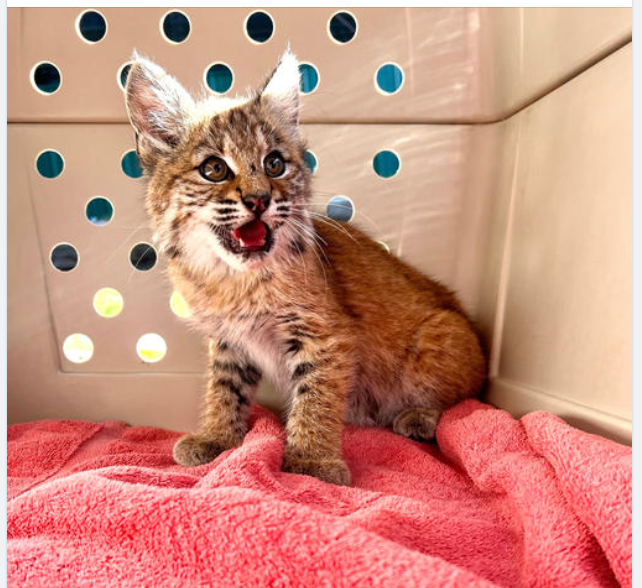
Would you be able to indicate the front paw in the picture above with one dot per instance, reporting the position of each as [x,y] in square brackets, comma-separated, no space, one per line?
[193,450]
[332,471]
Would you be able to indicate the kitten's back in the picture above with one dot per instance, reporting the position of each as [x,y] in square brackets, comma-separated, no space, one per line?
[363,272]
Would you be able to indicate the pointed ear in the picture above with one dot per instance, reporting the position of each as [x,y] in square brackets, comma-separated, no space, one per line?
[158,106]
[282,89]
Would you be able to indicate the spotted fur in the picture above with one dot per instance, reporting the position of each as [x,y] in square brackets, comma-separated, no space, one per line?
[347,331]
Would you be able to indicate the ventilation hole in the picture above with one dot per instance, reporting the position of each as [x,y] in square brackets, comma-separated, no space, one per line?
[309,77]
[50,164]
[46,78]
[219,78]
[123,72]
[385,246]
[259,27]
[389,78]
[64,257]
[175,26]
[386,163]
[178,304]
[143,257]
[99,211]
[131,165]
[91,26]
[151,348]
[342,27]
[108,302]
[340,208]
[78,348]
[310,160]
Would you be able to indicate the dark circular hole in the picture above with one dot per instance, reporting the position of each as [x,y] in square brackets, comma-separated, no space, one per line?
[259,26]
[389,78]
[131,165]
[219,78]
[124,72]
[309,77]
[92,26]
[99,211]
[340,208]
[310,160]
[386,164]
[64,257]
[176,27]
[46,77]
[143,257]
[50,164]
[343,27]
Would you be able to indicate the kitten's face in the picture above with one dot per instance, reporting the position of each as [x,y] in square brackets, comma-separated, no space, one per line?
[228,186]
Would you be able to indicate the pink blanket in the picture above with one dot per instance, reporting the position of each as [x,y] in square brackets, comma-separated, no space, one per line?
[500,503]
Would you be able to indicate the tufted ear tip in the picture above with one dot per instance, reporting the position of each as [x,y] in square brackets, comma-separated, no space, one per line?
[282,89]
[158,106]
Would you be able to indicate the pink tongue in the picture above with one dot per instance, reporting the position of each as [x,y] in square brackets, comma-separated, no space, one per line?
[252,234]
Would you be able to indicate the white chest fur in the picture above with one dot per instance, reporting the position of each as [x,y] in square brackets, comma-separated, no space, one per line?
[259,338]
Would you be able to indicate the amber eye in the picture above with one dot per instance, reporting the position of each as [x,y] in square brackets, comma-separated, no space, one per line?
[215,169]
[274,164]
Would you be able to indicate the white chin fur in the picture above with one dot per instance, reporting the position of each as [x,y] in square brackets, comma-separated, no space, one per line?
[205,252]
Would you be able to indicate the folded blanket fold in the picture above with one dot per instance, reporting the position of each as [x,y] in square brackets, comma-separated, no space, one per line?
[498,502]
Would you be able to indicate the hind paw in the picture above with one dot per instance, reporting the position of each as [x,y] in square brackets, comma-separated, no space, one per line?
[418,423]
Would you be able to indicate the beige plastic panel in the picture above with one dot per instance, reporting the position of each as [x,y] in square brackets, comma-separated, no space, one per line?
[92,156]
[564,341]
[425,213]
[460,64]
[537,49]
[36,388]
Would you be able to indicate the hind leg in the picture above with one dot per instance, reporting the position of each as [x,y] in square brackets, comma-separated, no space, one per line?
[444,364]
[417,423]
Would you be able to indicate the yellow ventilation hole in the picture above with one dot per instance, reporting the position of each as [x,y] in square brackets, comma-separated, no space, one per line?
[78,348]
[179,306]
[151,348]
[108,302]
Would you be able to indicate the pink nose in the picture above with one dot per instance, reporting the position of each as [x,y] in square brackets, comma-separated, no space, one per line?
[257,203]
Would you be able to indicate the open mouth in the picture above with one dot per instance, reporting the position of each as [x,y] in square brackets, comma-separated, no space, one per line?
[251,238]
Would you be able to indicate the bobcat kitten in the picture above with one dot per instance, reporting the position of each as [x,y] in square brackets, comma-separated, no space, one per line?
[346,330]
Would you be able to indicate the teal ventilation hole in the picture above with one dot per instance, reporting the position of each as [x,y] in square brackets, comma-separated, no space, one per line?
[342,27]
[64,257]
[386,164]
[46,78]
[92,26]
[143,257]
[310,160]
[131,165]
[309,77]
[259,27]
[389,78]
[99,211]
[219,78]
[175,26]
[122,76]
[340,208]
[50,164]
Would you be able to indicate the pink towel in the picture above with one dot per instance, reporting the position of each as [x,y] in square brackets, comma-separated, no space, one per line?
[500,503]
